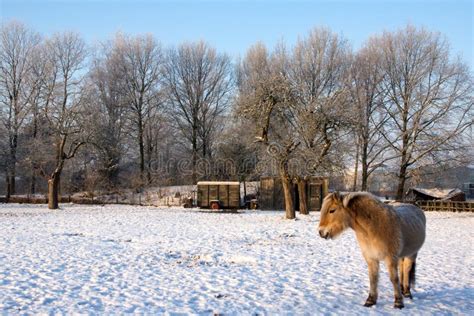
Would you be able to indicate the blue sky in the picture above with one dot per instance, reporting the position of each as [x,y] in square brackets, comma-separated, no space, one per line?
[232,26]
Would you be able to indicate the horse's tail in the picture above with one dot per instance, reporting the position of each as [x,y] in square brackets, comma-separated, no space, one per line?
[411,275]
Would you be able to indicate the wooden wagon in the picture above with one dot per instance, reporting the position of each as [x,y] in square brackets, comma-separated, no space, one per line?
[218,194]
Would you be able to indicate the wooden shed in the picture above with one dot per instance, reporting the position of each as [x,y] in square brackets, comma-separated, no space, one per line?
[225,193]
[421,194]
[271,193]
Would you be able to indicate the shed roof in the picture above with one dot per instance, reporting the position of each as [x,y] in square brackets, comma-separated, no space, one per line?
[442,194]
[218,183]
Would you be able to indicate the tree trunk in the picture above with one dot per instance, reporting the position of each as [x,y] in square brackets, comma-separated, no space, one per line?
[356,168]
[245,190]
[194,162]
[149,158]
[13,182]
[204,147]
[365,167]
[402,177]
[302,196]
[53,191]
[33,182]
[364,176]
[33,163]
[12,164]
[8,187]
[286,182]
[141,148]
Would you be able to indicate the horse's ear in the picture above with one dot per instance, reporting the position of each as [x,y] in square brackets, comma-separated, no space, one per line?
[337,196]
[349,199]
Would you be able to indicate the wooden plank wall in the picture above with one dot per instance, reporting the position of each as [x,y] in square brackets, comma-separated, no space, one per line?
[227,195]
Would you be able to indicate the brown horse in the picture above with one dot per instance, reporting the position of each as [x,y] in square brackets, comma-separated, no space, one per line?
[392,233]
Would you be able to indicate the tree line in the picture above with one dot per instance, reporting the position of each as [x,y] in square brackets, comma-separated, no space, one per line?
[131,113]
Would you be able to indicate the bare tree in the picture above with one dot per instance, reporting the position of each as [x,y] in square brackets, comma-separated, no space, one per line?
[37,82]
[64,105]
[265,98]
[316,72]
[109,103]
[140,60]
[367,96]
[198,84]
[429,98]
[297,101]
[17,49]
[154,134]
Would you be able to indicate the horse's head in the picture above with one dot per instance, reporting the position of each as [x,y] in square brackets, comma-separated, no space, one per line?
[334,216]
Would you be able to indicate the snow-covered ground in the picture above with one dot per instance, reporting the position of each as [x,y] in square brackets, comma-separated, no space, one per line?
[120,259]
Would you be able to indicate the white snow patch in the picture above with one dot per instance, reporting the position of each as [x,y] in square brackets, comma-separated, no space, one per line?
[123,259]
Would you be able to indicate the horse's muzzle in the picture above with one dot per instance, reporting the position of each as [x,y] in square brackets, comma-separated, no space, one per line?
[323,234]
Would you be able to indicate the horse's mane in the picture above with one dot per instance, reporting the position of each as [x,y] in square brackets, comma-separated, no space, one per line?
[368,208]
[354,197]
[362,204]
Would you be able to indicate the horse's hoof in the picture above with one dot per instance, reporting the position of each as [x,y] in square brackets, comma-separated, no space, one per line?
[369,304]
[398,305]
[370,301]
[408,295]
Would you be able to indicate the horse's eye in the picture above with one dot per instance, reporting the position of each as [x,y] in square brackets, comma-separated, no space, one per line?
[332,211]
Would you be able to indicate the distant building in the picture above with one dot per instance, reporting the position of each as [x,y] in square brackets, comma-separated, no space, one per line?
[272,197]
[468,189]
[420,194]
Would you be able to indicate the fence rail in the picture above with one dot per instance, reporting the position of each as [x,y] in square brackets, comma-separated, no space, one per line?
[445,206]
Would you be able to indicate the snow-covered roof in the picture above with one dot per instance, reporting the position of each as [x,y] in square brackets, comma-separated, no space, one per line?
[218,183]
[444,194]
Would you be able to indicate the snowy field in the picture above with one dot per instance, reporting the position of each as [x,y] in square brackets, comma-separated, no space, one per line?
[122,259]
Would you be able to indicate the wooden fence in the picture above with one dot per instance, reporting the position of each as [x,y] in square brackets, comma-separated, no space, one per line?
[445,206]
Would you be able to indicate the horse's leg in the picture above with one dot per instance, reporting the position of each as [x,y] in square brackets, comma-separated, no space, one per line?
[408,275]
[374,280]
[400,273]
[391,264]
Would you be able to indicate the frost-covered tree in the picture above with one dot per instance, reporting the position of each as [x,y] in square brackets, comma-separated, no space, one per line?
[107,86]
[429,99]
[198,85]
[367,96]
[17,87]
[63,106]
[296,100]
[318,67]
[139,60]
[265,98]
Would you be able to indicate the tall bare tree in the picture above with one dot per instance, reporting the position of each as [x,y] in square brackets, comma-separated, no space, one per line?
[265,98]
[367,97]
[140,59]
[198,84]
[429,98]
[317,69]
[37,82]
[17,49]
[297,101]
[109,103]
[64,105]
[154,132]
